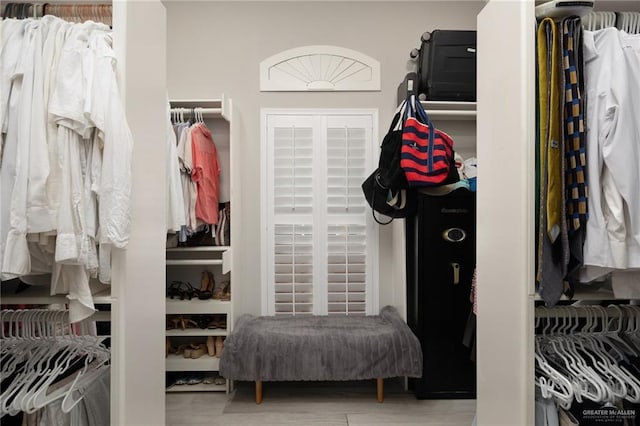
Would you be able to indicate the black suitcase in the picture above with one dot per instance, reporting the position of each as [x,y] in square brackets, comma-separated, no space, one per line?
[447,66]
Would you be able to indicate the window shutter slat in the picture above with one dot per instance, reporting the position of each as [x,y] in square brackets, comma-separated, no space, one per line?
[292,169]
[346,165]
[293,271]
[346,269]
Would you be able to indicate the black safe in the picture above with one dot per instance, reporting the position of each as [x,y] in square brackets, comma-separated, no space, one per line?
[441,257]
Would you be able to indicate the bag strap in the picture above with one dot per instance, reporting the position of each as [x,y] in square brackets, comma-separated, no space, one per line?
[418,112]
[421,113]
[373,210]
[373,213]
[399,117]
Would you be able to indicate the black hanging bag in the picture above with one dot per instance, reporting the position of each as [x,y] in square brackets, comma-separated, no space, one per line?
[386,189]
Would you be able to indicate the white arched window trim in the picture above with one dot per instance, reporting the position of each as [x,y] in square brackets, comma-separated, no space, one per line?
[319,68]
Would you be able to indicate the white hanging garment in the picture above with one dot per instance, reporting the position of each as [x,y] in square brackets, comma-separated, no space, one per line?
[175,198]
[189,188]
[107,114]
[16,257]
[51,54]
[10,89]
[612,77]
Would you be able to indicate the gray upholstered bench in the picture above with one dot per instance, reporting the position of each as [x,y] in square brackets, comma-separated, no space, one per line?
[322,348]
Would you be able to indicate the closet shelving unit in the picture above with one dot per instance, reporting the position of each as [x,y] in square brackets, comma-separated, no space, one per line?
[140,53]
[506,221]
[187,263]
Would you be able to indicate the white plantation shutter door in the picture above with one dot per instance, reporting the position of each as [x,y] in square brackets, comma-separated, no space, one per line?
[348,149]
[320,243]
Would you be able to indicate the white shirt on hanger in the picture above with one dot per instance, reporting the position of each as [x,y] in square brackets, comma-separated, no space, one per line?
[10,90]
[612,77]
[114,190]
[175,198]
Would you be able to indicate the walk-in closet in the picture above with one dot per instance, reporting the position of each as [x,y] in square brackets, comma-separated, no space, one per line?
[186,237]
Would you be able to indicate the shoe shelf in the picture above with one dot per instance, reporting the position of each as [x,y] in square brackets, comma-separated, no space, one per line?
[194,262]
[195,332]
[200,387]
[180,363]
[197,306]
[198,249]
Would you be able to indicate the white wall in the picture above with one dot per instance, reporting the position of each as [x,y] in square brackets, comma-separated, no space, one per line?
[216,47]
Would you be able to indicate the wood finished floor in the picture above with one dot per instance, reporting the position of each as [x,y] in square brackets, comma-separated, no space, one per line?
[327,404]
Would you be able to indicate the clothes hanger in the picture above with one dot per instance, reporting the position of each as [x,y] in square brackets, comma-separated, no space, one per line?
[91,348]
[553,383]
[35,370]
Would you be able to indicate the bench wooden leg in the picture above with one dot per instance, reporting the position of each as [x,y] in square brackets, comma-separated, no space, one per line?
[380,389]
[258,391]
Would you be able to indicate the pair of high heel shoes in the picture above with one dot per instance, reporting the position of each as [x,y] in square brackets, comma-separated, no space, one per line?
[215,346]
[207,285]
[208,288]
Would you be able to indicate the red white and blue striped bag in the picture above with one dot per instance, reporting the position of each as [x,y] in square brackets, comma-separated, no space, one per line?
[426,153]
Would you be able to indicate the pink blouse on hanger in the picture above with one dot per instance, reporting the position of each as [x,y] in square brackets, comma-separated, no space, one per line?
[205,173]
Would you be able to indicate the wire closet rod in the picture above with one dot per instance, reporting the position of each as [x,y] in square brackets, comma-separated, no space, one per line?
[204,111]
[72,12]
[611,311]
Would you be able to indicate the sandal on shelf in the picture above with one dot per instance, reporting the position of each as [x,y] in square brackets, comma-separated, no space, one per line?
[202,320]
[180,349]
[182,289]
[168,348]
[174,290]
[185,322]
[221,292]
[219,381]
[218,322]
[208,380]
[190,290]
[198,351]
[172,323]
[225,293]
